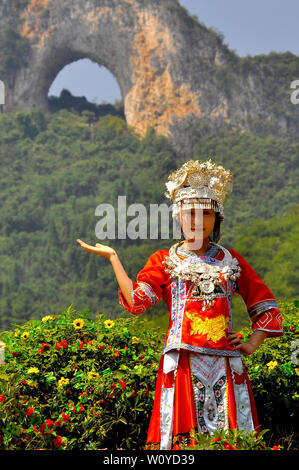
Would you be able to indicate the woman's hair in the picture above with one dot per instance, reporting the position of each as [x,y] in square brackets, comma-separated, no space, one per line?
[215,235]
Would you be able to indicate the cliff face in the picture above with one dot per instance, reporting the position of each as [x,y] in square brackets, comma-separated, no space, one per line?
[172,71]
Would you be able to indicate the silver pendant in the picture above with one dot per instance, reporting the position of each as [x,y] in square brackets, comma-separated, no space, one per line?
[207,287]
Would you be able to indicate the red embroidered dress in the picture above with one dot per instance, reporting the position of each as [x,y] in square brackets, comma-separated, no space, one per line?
[202,384]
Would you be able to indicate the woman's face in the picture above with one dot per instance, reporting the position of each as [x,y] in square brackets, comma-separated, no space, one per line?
[197,224]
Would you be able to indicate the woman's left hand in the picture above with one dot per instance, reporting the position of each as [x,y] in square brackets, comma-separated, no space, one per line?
[246,347]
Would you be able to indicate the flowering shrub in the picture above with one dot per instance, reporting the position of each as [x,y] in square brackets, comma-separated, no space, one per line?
[72,383]
[229,440]
[273,370]
[69,382]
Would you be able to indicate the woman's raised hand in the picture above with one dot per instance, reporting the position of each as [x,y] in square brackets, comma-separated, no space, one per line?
[99,249]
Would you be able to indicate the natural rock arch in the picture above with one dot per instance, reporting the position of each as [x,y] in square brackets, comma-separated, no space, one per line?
[171,69]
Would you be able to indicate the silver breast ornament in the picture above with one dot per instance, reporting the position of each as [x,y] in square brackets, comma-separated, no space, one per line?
[204,272]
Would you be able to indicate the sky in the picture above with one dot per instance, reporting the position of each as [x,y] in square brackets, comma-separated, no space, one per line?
[249,27]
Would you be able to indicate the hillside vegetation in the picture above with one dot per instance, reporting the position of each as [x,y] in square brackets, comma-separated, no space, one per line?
[56,168]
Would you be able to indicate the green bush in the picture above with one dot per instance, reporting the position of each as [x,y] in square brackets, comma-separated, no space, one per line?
[72,383]
[230,440]
[69,382]
[273,371]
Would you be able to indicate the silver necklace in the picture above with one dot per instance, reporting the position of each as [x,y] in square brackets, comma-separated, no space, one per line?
[203,271]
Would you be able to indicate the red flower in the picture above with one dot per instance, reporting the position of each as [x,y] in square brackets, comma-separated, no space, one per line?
[89,342]
[58,423]
[57,346]
[58,441]
[81,344]
[41,350]
[102,346]
[116,354]
[276,448]
[141,357]
[81,408]
[29,411]
[42,428]
[228,446]
[14,353]
[34,428]
[133,394]
[218,439]
[123,384]
[63,343]
[2,397]
[239,335]
[46,345]
[49,423]
[65,417]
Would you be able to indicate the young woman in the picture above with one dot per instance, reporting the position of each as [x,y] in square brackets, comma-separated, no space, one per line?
[202,384]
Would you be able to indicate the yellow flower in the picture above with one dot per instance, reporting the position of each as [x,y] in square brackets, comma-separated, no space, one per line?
[63,381]
[33,370]
[109,323]
[47,318]
[25,335]
[78,323]
[135,340]
[272,364]
[297,370]
[93,375]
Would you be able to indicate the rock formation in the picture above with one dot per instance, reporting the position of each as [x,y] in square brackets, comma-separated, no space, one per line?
[172,71]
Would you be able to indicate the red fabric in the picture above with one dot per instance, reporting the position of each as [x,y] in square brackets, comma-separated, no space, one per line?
[154,276]
[185,422]
[232,415]
[184,406]
[252,403]
[153,282]
[153,435]
[270,321]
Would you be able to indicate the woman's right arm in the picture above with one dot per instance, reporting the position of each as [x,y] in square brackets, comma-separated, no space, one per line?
[124,282]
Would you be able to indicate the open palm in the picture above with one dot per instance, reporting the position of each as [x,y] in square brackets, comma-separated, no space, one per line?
[99,249]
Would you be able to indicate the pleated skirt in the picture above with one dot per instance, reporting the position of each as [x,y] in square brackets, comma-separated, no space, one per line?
[199,393]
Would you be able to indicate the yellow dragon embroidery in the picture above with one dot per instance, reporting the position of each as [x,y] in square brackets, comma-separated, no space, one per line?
[214,328]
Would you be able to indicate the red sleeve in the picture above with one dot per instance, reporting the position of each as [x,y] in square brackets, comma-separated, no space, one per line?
[260,302]
[148,288]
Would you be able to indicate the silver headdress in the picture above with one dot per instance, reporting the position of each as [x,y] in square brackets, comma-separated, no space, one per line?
[202,185]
